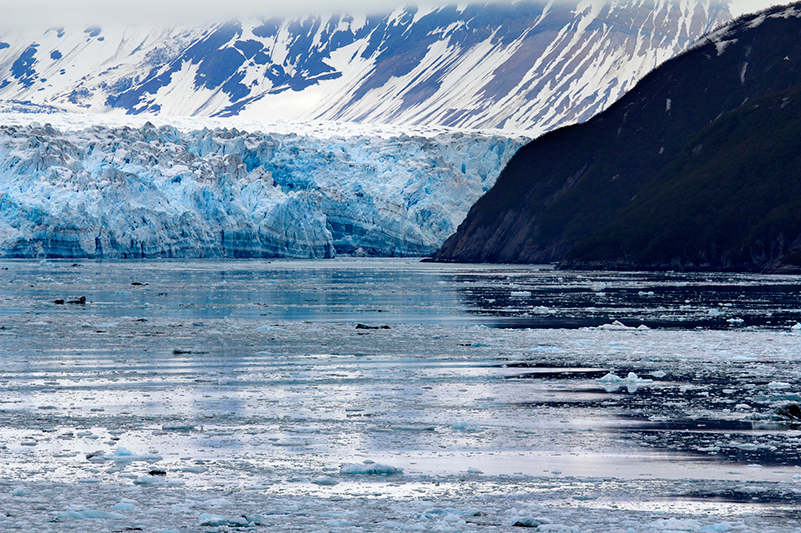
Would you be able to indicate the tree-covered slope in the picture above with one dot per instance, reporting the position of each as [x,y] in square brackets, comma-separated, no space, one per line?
[730,200]
[588,192]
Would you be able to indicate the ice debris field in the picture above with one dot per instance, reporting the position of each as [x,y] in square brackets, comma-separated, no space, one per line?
[389,395]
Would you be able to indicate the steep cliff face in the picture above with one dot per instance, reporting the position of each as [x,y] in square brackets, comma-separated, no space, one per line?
[529,65]
[688,170]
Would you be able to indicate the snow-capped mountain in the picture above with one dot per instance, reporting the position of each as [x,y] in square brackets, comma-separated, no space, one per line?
[160,192]
[528,65]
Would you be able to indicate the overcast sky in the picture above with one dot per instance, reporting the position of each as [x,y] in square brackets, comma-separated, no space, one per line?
[49,13]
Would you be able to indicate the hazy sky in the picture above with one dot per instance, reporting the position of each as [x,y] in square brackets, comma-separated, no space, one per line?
[49,13]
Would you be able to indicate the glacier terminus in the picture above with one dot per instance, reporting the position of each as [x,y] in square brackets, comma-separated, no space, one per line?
[123,192]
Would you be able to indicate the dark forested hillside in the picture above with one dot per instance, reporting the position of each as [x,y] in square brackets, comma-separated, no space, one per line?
[696,167]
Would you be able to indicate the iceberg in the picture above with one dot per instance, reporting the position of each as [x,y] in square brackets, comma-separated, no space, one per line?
[612,382]
[146,192]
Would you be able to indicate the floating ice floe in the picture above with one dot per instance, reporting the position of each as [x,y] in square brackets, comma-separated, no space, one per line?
[632,382]
[125,505]
[179,427]
[157,480]
[369,468]
[198,469]
[325,481]
[89,513]
[122,455]
[21,491]
[618,325]
[779,385]
[464,426]
[216,502]
[558,528]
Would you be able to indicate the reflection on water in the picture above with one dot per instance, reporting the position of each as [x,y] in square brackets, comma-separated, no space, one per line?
[403,291]
[544,298]
[252,373]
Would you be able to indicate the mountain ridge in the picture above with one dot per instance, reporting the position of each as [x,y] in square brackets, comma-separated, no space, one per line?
[528,66]
[563,196]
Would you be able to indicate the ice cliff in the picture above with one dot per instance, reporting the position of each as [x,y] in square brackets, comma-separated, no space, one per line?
[130,192]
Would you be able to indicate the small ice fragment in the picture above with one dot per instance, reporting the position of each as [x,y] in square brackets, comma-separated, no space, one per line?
[722,527]
[372,469]
[148,480]
[613,382]
[212,520]
[124,455]
[216,502]
[521,294]
[198,469]
[178,427]
[753,466]
[557,528]
[614,325]
[125,506]
[779,385]
[325,481]
[21,491]
[797,326]
[89,513]
[473,470]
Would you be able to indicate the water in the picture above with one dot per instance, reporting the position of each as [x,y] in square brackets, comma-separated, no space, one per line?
[243,387]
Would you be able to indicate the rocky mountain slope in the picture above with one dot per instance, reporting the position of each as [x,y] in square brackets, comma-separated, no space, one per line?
[695,168]
[528,65]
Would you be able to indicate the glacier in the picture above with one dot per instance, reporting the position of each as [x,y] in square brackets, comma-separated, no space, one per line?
[123,191]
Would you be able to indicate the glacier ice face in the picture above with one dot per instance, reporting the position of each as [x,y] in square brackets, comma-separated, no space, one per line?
[128,192]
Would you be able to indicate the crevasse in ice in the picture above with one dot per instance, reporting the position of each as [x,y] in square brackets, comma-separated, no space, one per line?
[125,192]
